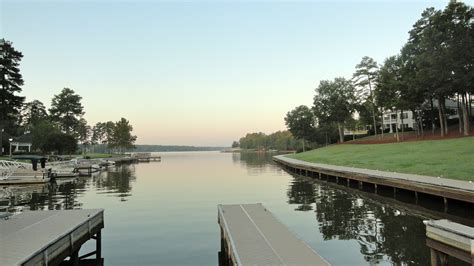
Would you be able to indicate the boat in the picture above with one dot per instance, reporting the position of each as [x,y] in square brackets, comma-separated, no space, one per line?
[86,166]
[62,169]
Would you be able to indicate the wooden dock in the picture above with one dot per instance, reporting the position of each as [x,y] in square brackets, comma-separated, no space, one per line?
[251,235]
[445,238]
[49,237]
[447,189]
[24,181]
[145,156]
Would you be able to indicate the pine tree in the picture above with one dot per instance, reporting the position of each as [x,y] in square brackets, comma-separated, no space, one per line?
[10,82]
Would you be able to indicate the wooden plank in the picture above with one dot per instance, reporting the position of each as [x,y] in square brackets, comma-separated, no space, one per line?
[33,236]
[255,237]
[449,250]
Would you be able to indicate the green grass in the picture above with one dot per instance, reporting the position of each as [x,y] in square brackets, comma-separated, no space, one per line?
[100,155]
[452,158]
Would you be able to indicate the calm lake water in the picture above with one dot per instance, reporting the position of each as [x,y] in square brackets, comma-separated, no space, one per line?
[165,213]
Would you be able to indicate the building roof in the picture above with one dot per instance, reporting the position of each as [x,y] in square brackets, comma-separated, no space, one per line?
[25,138]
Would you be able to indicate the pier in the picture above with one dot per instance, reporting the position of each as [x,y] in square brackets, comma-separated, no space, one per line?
[446,189]
[145,157]
[49,237]
[251,235]
[447,239]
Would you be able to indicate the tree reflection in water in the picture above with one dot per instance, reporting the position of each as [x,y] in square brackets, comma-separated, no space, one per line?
[382,232]
[117,180]
[253,159]
[63,194]
[52,196]
[301,192]
[255,162]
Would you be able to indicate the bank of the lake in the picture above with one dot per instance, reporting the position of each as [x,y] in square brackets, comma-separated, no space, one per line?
[450,158]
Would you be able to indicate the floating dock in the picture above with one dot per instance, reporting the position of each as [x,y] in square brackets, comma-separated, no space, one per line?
[145,156]
[49,237]
[445,239]
[251,235]
[24,181]
[447,189]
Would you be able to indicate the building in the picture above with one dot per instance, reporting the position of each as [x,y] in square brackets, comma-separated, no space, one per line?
[391,119]
[24,141]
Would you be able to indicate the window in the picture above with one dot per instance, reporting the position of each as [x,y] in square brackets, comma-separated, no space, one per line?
[394,116]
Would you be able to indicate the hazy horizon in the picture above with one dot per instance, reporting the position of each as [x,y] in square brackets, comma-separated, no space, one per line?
[198,73]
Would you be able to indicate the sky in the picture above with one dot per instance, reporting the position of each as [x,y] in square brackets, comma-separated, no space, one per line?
[200,73]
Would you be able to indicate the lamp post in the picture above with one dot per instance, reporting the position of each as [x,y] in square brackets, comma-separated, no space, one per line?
[10,147]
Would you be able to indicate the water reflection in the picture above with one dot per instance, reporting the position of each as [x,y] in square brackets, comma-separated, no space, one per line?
[253,159]
[302,193]
[256,163]
[117,181]
[382,232]
[63,193]
[53,196]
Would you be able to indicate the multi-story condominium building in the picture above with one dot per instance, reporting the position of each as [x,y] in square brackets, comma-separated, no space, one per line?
[390,119]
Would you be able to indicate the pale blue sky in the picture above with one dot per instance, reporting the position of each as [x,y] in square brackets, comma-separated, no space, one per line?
[198,73]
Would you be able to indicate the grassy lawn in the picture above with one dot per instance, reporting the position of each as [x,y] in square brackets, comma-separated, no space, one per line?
[101,155]
[452,158]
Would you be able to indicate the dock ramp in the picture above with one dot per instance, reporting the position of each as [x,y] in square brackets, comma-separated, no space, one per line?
[251,235]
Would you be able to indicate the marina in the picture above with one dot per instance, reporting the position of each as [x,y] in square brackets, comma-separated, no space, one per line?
[14,172]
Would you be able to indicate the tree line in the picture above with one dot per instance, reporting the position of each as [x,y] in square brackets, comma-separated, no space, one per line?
[58,129]
[280,140]
[436,64]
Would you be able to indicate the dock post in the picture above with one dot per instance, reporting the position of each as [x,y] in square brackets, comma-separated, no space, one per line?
[319,175]
[443,258]
[348,182]
[416,197]
[434,259]
[375,187]
[98,246]
[337,179]
[445,200]
[361,185]
[394,192]
[75,258]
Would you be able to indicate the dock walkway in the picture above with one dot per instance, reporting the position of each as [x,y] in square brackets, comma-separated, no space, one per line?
[442,187]
[48,237]
[251,235]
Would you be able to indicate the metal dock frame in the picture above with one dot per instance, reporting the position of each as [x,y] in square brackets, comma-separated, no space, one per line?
[49,237]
